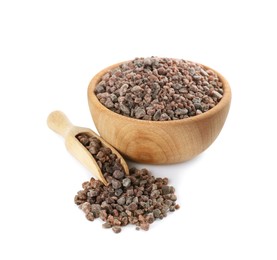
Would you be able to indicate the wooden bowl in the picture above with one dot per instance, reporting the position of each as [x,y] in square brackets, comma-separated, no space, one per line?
[158,142]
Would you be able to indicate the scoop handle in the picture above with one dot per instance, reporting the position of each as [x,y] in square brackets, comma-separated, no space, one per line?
[59,123]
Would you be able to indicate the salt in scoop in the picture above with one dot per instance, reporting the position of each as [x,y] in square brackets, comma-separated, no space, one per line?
[59,123]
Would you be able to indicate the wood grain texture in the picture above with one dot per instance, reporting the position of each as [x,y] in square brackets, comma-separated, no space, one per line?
[59,123]
[157,142]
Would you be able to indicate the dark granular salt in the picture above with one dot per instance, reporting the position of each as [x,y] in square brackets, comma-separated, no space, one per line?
[159,89]
[138,198]
[145,204]
[107,161]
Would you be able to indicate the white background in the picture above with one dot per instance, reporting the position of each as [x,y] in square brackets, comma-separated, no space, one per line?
[49,51]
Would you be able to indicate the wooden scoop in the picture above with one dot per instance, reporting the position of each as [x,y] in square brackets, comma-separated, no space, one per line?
[59,123]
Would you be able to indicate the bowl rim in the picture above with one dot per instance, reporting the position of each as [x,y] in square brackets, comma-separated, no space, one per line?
[225,100]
